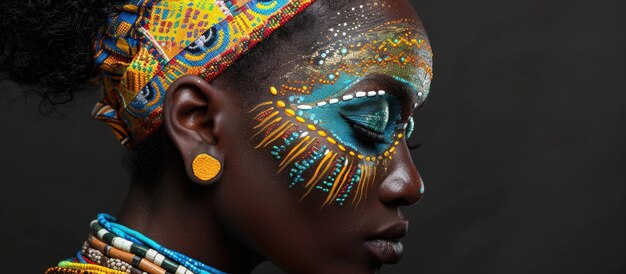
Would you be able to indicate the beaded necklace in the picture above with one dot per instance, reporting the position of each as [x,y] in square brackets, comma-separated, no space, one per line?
[114,248]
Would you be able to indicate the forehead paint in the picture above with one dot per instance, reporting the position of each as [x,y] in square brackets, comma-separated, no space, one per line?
[316,124]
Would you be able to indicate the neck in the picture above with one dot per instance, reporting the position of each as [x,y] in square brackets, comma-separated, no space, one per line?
[178,216]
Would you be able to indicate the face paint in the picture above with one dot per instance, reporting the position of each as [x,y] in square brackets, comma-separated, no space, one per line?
[340,113]
[410,128]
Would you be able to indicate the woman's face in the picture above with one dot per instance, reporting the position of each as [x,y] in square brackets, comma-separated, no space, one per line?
[317,167]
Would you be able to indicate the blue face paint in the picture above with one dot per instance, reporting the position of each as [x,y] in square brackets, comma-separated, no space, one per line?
[371,114]
[348,118]
[410,127]
[336,117]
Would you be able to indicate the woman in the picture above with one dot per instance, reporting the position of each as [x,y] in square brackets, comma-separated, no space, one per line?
[292,150]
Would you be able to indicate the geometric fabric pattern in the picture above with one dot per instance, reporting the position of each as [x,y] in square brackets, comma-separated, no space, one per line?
[148,44]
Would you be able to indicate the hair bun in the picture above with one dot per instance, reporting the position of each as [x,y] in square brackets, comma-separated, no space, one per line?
[48,44]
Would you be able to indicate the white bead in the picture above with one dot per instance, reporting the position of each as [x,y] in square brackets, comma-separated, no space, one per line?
[304,107]
[151,254]
[381,92]
[321,104]
[360,94]
[181,270]
[126,245]
[371,93]
[347,97]
[333,101]
[158,260]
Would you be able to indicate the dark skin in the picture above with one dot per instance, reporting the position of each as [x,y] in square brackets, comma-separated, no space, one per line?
[247,214]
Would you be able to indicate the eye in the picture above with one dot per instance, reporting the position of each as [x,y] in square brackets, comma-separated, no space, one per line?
[368,119]
[367,135]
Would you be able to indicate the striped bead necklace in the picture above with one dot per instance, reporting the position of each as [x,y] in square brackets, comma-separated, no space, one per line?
[114,248]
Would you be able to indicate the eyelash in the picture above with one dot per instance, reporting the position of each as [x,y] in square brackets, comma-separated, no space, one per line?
[368,135]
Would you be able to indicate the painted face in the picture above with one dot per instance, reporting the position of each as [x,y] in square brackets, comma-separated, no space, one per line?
[337,118]
[326,168]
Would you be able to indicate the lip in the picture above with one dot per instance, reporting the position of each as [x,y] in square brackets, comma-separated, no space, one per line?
[385,246]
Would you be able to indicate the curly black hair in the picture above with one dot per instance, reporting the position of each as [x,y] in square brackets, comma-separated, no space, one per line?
[47,46]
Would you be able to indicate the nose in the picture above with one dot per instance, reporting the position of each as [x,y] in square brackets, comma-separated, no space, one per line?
[404,185]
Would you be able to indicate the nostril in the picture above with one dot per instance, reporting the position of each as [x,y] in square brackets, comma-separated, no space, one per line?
[403,186]
[401,191]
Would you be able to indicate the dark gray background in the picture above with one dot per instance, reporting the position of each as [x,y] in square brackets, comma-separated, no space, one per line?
[524,149]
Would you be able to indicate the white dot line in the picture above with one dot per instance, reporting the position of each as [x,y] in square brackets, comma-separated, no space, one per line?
[358,94]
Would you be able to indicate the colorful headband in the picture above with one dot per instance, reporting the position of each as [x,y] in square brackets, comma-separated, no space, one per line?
[150,43]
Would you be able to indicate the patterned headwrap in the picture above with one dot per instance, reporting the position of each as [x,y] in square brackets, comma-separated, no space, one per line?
[148,44]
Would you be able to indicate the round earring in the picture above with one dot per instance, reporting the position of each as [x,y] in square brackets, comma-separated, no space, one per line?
[205,167]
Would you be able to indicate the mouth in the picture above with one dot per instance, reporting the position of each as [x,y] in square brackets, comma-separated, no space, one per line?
[385,246]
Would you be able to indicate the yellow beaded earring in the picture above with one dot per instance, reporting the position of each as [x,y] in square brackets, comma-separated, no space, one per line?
[205,167]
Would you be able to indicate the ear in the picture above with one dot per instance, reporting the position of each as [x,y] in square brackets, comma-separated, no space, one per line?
[191,113]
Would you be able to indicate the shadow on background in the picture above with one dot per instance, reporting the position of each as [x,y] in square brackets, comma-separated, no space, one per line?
[523,149]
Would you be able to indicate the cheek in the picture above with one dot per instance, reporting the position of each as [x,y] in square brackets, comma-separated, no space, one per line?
[257,206]
[252,200]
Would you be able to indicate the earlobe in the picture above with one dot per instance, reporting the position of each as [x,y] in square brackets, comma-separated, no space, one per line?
[190,113]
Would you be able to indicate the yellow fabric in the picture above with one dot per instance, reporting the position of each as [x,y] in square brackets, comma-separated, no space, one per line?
[148,45]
